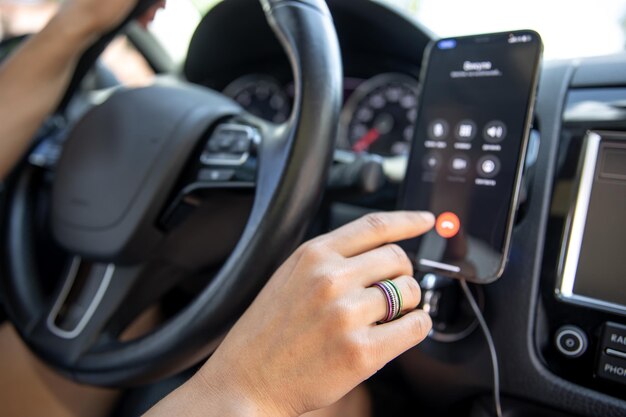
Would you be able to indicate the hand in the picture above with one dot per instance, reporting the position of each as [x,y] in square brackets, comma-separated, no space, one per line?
[311,334]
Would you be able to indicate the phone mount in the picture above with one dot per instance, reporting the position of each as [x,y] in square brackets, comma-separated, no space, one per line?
[452,316]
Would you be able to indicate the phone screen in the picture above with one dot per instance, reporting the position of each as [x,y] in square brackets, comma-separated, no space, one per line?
[468,151]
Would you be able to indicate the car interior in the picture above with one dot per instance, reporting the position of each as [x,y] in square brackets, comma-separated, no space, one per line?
[143,221]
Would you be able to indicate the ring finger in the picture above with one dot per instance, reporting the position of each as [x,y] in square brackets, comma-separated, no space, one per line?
[375,305]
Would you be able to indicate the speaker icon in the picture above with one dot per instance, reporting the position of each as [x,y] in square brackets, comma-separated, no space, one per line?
[494,132]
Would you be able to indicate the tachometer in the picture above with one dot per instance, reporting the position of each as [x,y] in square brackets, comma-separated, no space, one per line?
[379,116]
[261,95]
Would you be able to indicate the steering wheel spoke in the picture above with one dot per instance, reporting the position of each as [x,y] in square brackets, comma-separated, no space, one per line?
[87,299]
[81,295]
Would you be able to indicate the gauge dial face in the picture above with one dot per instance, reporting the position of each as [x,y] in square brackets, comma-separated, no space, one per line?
[261,95]
[379,116]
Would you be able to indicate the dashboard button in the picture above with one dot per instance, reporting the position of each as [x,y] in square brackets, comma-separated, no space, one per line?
[465,130]
[571,341]
[612,368]
[614,337]
[447,225]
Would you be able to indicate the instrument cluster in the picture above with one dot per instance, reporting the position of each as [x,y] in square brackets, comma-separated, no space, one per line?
[377,117]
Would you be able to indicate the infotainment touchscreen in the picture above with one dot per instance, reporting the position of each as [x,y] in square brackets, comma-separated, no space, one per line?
[593,260]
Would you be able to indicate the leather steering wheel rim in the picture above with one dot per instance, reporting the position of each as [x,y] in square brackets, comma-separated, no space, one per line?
[284,203]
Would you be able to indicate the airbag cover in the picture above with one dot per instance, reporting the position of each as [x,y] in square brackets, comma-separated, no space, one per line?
[119,165]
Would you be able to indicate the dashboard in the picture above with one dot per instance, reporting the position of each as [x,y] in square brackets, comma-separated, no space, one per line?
[377,116]
[380,75]
[554,356]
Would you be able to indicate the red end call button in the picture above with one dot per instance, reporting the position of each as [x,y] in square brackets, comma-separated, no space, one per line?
[448,225]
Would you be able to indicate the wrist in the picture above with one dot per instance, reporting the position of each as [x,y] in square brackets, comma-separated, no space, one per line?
[232,396]
[196,398]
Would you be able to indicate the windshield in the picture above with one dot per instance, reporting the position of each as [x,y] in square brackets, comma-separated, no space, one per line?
[569,28]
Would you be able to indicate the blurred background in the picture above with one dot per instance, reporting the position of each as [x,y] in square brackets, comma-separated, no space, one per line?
[569,28]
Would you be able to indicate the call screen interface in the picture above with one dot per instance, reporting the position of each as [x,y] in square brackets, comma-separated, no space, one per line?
[465,160]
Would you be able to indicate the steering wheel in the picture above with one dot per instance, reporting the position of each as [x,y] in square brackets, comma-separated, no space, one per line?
[159,184]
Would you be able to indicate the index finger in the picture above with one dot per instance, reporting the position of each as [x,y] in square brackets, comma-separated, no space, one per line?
[376,229]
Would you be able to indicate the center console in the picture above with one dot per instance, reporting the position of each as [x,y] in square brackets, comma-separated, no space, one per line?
[581,324]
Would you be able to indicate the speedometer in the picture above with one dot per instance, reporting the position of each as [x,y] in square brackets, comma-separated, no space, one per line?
[379,116]
[261,95]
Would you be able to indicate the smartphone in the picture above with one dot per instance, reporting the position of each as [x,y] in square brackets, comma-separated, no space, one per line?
[467,156]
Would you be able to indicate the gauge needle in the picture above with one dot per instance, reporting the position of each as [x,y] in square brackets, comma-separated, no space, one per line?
[366,140]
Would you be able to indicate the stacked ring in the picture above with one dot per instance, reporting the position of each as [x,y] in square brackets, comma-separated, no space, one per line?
[393,297]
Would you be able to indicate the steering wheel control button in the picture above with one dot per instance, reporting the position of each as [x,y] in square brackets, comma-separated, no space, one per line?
[465,130]
[216,175]
[571,341]
[612,368]
[447,225]
[438,129]
[488,166]
[494,131]
[230,144]
[459,164]
[432,161]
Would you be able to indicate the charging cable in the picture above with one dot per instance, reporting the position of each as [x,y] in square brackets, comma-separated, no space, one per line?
[492,347]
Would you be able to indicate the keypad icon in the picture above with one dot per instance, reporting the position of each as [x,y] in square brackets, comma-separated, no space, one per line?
[465,130]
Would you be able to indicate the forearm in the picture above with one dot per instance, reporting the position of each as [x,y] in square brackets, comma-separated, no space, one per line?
[33,80]
[198,398]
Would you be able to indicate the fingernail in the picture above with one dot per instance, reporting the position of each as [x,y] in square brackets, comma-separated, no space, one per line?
[427,216]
